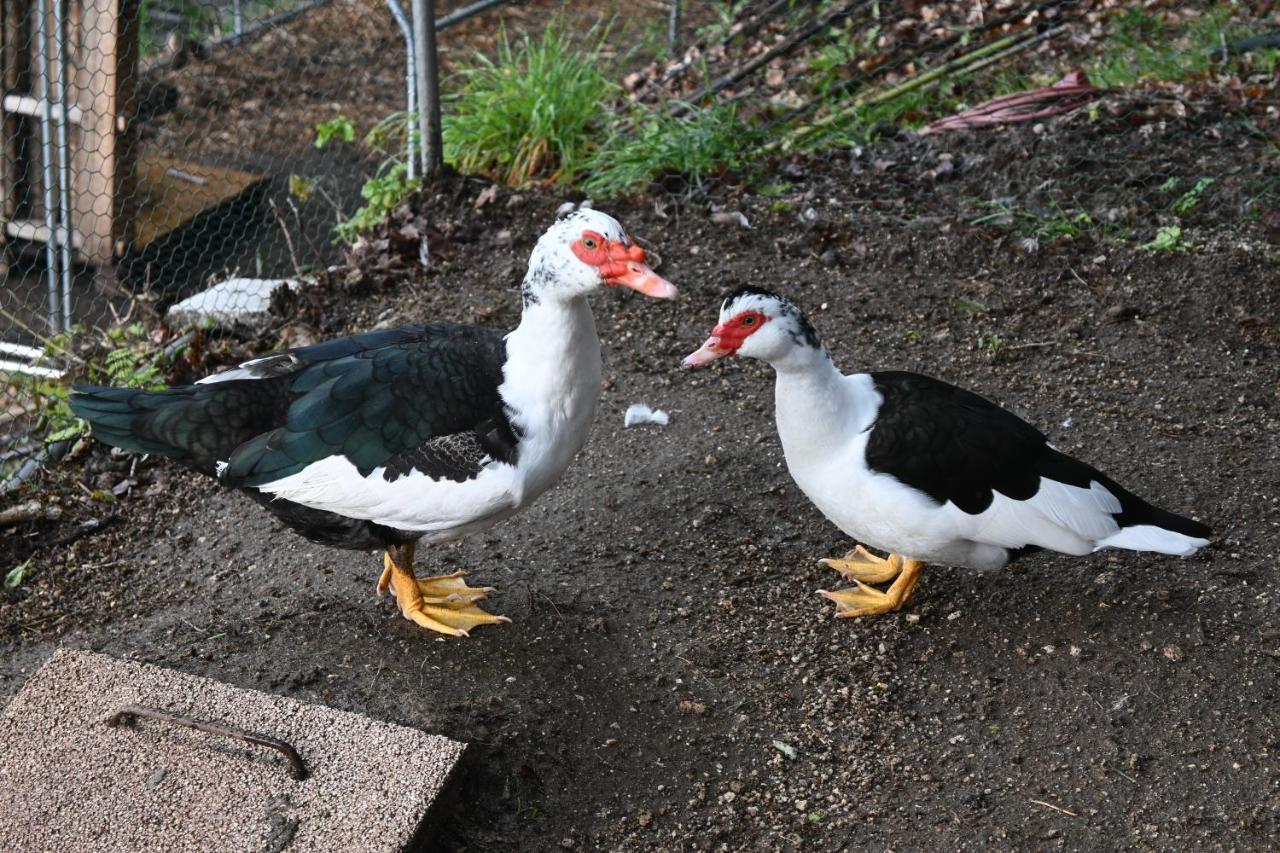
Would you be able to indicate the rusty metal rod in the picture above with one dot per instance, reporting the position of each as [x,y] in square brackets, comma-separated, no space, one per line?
[130,711]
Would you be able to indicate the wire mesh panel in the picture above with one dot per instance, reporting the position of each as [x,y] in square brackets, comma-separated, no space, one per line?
[154,147]
[186,153]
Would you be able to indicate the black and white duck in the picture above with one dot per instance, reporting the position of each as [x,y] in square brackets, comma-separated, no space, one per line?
[923,470]
[423,433]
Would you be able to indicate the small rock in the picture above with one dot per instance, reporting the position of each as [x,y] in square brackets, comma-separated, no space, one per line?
[237,303]
[1119,313]
[1172,652]
[730,217]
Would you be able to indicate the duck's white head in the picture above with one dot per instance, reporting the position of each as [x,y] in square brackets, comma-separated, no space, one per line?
[584,251]
[758,324]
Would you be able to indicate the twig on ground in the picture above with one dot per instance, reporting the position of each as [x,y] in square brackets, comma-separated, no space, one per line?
[974,60]
[29,511]
[783,48]
[1056,808]
[288,238]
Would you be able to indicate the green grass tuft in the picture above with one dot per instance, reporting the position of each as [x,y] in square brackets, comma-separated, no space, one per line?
[1143,47]
[531,113]
[695,147]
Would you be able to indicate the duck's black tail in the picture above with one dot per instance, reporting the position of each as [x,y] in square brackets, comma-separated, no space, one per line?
[197,425]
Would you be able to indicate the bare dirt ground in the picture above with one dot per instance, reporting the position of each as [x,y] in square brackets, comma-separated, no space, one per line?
[670,681]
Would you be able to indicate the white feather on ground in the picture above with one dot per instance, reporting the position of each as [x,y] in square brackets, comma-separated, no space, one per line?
[639,413]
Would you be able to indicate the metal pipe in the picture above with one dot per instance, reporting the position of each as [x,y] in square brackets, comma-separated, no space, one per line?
[424,34]
[411,85]
[237,19]
[64,160]
[468,12]
[46,161]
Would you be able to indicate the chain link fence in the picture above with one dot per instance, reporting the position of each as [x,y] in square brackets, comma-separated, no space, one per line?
[152,148]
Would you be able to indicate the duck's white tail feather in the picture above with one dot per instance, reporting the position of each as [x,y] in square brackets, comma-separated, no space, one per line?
[1148,537]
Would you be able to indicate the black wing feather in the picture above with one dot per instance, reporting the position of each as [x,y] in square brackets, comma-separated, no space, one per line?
[379,398]
[956,446]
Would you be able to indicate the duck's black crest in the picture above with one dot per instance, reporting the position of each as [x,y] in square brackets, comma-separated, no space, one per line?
[806,336]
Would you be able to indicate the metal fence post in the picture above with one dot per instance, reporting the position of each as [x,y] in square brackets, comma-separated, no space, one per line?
[62,54]
[45,108]
[424,33]
[411,86]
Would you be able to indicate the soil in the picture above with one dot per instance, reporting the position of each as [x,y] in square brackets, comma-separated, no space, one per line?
[670,681]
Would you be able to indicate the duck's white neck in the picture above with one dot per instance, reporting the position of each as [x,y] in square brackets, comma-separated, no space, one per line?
[816,404]
[551,383]
[555,350]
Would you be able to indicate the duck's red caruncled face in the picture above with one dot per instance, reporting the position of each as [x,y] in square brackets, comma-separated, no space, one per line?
[726,338]
[621,264]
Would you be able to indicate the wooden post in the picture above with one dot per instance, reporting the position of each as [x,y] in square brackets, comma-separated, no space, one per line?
[104,56]
[14,18]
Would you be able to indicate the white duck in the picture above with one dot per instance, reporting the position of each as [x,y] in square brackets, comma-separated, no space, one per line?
[924,470]
[421,433]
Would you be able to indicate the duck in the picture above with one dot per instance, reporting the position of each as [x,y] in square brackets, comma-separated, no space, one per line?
[924,470]
[419,434]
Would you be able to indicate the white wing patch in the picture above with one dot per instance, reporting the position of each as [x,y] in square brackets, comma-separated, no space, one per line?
[257,368]
[1060,517]
[411,502]
[1148,537]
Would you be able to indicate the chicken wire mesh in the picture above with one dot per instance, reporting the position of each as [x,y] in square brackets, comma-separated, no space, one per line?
[227,139]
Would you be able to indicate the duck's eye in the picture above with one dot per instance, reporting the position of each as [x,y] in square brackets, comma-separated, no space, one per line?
[590,243]
[749,320]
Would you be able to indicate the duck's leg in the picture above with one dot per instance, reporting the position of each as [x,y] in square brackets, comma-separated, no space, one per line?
[861,565]
[862,600]
[441,603]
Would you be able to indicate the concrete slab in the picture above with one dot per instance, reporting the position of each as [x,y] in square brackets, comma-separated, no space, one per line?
[237,303]
[71,782]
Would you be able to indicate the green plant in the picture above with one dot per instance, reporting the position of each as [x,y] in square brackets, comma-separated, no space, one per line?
[831,65]
[694,146]
[725,14]
[195,22]
[389,185]
[1055,225]
[531,113]
[992,343]
[1168,239]
[1188,201]
[970,306]
[1143,46]
[301,187]
[382,193]
[121,358]
[15,577]
[339,127]
[392,133]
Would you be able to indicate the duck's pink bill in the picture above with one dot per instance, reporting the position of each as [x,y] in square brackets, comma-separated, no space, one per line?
[639,277]
[705,354]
